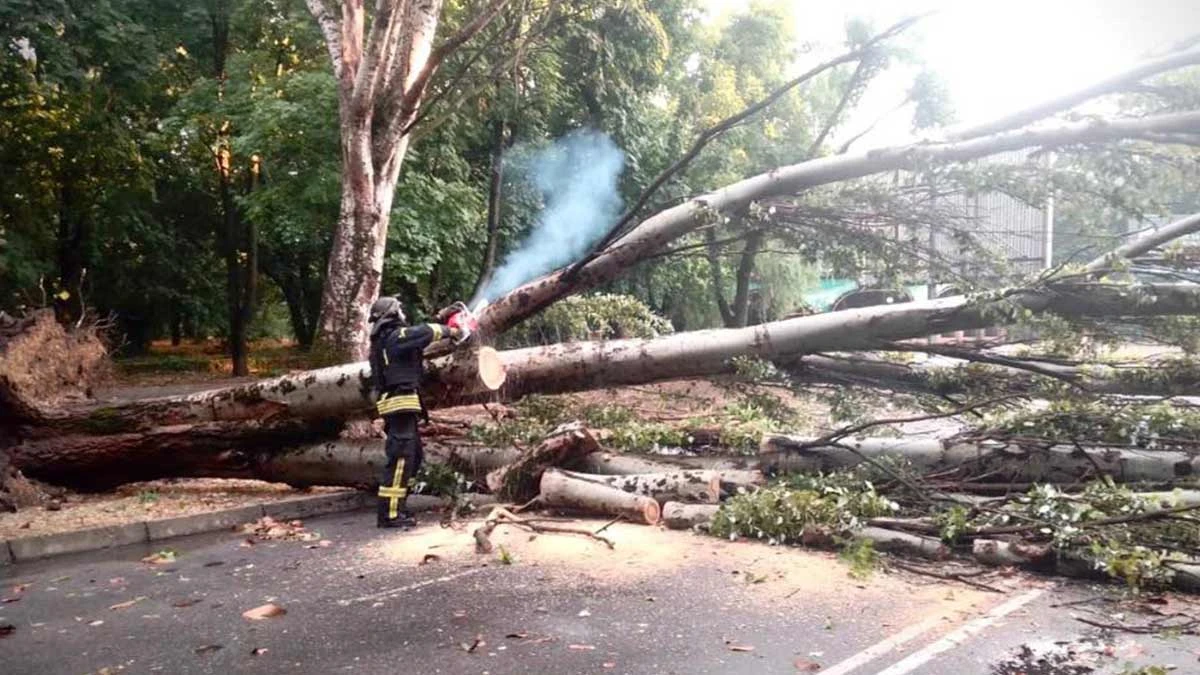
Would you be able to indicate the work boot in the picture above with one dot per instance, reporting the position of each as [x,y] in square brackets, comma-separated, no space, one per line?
[404,521]
[404,518]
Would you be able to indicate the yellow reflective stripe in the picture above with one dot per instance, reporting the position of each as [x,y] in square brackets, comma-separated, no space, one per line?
[405,402]
[392,492]
[394,500]
[385,358]
[437,331]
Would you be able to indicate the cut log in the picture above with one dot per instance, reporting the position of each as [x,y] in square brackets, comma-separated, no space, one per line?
[679,516]
[675,486]
[1012,553]
[611,464]
[519,480]
[891,541]
[1011,461]
[561,489]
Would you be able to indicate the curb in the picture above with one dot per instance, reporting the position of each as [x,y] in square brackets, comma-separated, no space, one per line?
[95,539]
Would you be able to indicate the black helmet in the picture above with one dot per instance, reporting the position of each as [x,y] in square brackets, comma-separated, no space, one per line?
[385,310]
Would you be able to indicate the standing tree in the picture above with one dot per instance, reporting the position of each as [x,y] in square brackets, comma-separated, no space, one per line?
[382,77]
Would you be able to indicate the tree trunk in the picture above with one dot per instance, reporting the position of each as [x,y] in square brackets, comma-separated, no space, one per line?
[677,486]
[495,187]
[745,275]
[1009,461]
[717,279]
[561,489]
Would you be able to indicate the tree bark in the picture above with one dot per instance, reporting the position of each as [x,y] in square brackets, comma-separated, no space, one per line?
[561,489]
[1010,461]
[680,516]
[382,77]
[518,481]
[677,486]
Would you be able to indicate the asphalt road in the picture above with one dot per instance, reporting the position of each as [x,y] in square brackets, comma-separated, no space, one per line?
[660,602]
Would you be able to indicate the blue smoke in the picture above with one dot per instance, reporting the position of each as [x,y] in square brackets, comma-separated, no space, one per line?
[577,177]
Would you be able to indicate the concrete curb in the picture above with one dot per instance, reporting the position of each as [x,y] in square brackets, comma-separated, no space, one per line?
[79,541]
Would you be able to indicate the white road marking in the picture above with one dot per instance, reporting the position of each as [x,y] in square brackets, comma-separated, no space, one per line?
[882,647]
[956,638]
[383,595]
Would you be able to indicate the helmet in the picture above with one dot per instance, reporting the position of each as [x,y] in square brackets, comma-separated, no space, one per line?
[385,310]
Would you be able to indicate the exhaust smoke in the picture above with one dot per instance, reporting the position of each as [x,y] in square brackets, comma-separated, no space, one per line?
[577,177]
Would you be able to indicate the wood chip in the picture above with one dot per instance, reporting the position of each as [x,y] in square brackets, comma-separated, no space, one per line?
[127,603]
[207,649]
[741,648]
[267,611]
[582,648]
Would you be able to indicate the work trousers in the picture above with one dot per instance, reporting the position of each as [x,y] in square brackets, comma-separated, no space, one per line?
[404,458]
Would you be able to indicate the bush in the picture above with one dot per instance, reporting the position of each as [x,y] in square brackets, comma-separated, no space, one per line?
[593,317]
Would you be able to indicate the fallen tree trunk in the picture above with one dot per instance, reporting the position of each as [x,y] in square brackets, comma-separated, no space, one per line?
[1007,461]
[561,489]
[676,486]
[680,516]
[610,464]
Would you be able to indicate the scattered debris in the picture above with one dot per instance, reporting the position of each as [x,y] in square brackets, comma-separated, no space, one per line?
[803,665]
[7,629]
[475,644]
[5,601]
[584,612]
[741,648]
[428,558]
[163,557]
[259,651]
[582,648]
[208,649]
[267,528]
[127,603]
[267,611]
[187,602]
[97,622]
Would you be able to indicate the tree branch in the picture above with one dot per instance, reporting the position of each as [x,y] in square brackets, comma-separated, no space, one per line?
[331,31]
[1067,101]
[715,131]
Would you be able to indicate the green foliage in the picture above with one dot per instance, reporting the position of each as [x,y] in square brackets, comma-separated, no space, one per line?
[781,514]
[1066,420]
[860,555]
[590,317]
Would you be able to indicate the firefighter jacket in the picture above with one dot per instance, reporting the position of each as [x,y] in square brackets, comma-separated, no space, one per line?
[397,364]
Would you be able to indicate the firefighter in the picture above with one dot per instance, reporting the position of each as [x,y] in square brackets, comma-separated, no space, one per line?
[396,369]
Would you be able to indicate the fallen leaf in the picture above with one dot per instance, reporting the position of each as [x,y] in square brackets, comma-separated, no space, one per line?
[187,602]
[806,666]
[267,611]
[7,629]
[26,525]
[127,603]
[259,651]
[207,649]
[582,648]
[429,557]
[517,636]
[161,558]
[741,648]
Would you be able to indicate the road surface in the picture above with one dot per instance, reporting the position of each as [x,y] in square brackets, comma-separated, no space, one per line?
[425,602]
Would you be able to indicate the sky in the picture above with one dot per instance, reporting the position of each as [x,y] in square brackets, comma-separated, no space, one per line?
[998,56]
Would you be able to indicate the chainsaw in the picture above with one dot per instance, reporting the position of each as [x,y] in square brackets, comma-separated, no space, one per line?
[459,316]
[489,366]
